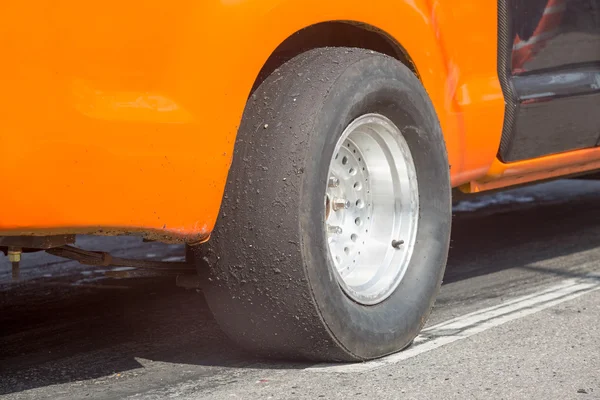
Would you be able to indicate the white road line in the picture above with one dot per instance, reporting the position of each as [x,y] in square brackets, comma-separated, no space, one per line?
[174,258]
[476,322]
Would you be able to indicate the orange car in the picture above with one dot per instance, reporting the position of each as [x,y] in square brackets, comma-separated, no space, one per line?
[318,143]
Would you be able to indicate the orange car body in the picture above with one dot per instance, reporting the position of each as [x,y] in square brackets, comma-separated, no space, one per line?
[121,116]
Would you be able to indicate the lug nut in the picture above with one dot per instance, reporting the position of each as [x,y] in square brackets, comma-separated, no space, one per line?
[334,229]
[338,204]
[333,182]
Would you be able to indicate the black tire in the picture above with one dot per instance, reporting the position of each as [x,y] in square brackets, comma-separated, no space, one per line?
[269,281]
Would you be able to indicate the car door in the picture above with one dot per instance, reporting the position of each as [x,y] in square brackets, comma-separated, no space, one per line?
[549,68]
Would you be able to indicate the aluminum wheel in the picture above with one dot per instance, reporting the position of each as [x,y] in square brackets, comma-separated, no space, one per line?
[372,208]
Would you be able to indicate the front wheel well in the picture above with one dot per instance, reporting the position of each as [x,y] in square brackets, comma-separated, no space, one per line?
[334,34]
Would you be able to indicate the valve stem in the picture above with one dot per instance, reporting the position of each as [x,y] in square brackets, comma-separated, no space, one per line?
[397,243]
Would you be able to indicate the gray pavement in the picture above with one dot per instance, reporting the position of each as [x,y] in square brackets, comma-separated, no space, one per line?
[68,331]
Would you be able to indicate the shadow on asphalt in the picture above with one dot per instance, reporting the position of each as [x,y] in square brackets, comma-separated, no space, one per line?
[52,334]
[518,239]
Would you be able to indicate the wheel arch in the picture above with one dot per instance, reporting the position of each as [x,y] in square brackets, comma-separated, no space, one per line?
[337,33]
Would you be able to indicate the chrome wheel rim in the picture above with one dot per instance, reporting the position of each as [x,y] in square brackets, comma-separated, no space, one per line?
[371,209]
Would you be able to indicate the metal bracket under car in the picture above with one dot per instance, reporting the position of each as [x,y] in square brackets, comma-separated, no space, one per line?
[61,246]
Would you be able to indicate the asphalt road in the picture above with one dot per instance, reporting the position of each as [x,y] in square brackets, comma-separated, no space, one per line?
[518,317]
